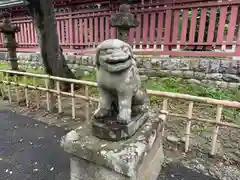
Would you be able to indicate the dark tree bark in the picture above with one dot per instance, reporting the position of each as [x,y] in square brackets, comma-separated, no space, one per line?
[43,14]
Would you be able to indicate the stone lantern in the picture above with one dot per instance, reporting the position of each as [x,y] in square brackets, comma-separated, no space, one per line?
[123,21]
[9,40]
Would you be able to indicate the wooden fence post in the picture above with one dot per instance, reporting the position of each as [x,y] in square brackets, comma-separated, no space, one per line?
[87,102]
[8,88]
[59,97]
[215,130]
[164,108]
[17,90]
[51,100]
[47,94]
[37,93]
[188,127]
[26,90]
[2,86]
[73,102]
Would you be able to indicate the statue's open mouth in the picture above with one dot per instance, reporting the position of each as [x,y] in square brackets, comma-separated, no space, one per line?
[116,66]
[113,61]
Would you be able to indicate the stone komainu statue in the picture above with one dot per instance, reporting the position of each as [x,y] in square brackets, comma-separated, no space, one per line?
[119,82]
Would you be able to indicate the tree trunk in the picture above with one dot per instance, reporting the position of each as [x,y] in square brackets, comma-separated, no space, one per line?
[43,14]
[13,58]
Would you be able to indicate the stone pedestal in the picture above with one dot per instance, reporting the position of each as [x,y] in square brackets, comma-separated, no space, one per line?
[137,158]
[109,129]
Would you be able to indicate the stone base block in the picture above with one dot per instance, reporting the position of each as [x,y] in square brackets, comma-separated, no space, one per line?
[137,158]
[150,168]
[108,129]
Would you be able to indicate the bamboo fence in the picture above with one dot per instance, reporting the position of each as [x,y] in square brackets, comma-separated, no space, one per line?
[6,84]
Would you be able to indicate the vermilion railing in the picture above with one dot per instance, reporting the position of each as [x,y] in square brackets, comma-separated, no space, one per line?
[177,28]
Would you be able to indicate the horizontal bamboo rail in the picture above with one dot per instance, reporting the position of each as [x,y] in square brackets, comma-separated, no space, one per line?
[233,104]
[6,82]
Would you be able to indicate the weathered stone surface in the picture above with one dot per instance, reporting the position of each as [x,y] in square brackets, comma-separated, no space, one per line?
[194,64]
[176,73]
[144,78]
[181,64]
[156,63]
[70,66]
[128,159]
[175,64]
[71,59]
[204,65]
[163,73]
[234,67]
[223,85]
[165,64]
[75,66]
[233,85]
[85,60]
[205,83]
[214,66]
[36,57]
[147,64]
[194,81]
[78,59]
[231,78]
[188,74]
[214,76]
[2,56]
[109,129]
[173,139]
[199,75]
[224,66]
[156,73]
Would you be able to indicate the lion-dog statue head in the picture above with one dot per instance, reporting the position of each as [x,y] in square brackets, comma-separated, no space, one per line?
[114,55]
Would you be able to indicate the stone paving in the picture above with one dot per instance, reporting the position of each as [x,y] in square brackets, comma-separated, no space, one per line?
[29,150]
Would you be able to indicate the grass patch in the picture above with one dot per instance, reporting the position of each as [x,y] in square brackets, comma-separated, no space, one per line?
[178,85]
[4,66]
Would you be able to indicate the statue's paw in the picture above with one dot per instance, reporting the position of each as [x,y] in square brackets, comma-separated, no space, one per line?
[122,120]
[101,113]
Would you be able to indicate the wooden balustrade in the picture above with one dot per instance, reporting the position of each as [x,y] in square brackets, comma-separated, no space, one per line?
[6,82]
